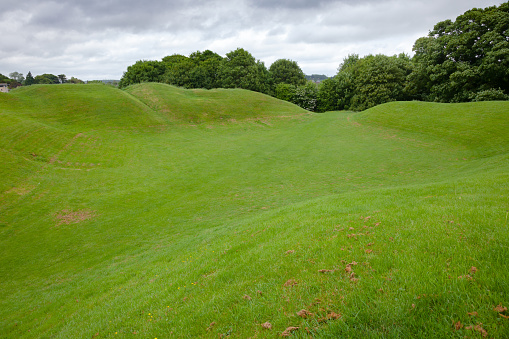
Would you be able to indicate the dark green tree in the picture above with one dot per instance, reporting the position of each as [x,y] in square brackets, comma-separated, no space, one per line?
[306,96]
[288,72]
[285,91]
[62,78]
[205,72]
[460,58]
[241,70]
[378,79]
[29,79]
[46,79]
[143,71]
[177,70]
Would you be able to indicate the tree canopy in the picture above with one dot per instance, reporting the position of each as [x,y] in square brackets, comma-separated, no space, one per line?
[461,58]
[288,72]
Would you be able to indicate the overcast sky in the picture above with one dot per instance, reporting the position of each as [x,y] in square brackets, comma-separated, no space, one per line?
[99,39]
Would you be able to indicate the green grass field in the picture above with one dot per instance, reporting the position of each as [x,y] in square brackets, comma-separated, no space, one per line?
[159,212]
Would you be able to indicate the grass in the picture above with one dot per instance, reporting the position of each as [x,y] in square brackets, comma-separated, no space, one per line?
[160,212]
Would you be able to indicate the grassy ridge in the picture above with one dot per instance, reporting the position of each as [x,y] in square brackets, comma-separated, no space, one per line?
[174,230]
[201,106]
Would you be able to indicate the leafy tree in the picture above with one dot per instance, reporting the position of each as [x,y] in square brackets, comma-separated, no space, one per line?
[16,76]
[143,71]
[62,78]
[379,79]
[306,96]
[177,70]
[349,62]
[29,79]
[46,79]
[329,95]
[490,95]
[74,80]
[463,57]
[240,70]
[288,72]
[205,72]
[285,91]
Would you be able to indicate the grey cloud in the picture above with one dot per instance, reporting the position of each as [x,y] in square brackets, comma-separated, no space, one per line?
[302,4]
[104,36]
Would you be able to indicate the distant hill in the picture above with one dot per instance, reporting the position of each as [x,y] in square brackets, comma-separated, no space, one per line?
[316,77]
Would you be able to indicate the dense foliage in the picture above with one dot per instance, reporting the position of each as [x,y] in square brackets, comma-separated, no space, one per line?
[461,60]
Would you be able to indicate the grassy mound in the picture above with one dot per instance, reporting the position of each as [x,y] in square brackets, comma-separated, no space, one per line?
[75,107]
[482,126]
[373,224]
[202,106]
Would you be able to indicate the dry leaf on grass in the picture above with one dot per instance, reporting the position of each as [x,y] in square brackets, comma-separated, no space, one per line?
[458,326]
[289,252]
[246,297]
[288,331]
[333,316]
[473,269]
[473,314]
[211,325]
[290,283]
[368,251]
[267,325]
[478,328]
[499,308]
[325,271]
[304,314]
[330,316]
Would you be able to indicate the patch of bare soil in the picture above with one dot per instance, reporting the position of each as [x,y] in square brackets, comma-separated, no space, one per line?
[21,190]
[73,217]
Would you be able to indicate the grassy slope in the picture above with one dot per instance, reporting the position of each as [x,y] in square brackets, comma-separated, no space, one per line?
[178,223]
[202,106]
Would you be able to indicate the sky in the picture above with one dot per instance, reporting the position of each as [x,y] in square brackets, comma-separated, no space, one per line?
[99,39]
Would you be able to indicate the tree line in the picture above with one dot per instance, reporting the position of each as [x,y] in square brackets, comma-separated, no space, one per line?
[462,60]
[17,79]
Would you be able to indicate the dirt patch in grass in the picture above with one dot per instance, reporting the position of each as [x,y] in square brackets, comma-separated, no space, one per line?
[73,217]
[21,190]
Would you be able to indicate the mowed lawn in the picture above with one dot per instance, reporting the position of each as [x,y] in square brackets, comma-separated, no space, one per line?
[158,212]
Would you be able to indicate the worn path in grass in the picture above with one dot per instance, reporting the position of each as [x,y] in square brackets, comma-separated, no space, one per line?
[156,227]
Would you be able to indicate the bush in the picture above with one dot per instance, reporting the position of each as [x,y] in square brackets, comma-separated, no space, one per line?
[490,95]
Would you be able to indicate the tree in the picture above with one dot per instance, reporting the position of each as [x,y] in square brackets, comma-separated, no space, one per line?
[76,81]
[378,79]
[463,57]
[177,70]
[288,72]
[62,78]
[46,79]
[18,77]
[285,91]
[306,96]
[29,79]
[240,70]
[143,71]
[329,95]
[205,71]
